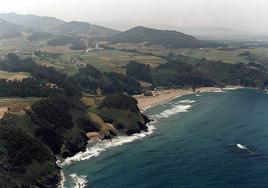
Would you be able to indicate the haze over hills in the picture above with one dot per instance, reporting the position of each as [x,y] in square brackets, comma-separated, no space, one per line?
[82,29]
[43,23]
[57,26]
[9,30]
[200,32]
[166,38]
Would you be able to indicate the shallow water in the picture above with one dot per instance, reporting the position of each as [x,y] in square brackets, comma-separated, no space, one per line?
[192,144]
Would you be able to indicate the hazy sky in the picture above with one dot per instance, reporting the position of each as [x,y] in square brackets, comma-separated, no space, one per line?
[251,15]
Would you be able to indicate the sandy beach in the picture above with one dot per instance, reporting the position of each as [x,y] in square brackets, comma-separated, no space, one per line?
[158,97]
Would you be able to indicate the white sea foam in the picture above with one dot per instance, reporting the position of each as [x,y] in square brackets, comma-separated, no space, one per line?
[79,181]
[218,90]
[175,110]
[61,185]
[197,95]
[187,101]
[99,147]
[231,88]
[146,108]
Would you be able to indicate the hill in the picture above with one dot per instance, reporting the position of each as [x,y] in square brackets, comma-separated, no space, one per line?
[82,29]
[9,30]
[42,23]
[57,26]
[165,38]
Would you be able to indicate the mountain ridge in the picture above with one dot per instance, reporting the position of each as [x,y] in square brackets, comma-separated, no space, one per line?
[167,38]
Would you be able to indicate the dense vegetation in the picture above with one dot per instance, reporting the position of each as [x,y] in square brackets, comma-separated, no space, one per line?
[25,88]
[138,71]
[123,113]
[24,160]
[184,71]
[90,80]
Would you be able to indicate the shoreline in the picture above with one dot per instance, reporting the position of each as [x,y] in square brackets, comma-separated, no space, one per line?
[158,97]
[144,102]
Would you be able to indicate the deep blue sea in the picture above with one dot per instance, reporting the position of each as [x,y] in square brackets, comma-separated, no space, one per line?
[192,144]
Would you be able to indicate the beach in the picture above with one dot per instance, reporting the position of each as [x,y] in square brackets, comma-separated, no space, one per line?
[158,97]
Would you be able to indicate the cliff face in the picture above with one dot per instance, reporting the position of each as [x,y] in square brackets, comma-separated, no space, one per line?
[59,126]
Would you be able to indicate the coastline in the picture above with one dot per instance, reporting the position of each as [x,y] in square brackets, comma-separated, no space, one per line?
[158,97]
[144,102]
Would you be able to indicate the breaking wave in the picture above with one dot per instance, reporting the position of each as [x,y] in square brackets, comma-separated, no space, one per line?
[99,147]
[187,101]
[174,110]
[78,181]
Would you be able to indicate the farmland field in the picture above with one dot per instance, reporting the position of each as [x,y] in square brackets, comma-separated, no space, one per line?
[15,105]
[225,55]
[13,75]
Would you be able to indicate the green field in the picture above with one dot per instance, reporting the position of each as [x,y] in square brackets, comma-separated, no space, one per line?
[13,75]
[10,101]
[225,55]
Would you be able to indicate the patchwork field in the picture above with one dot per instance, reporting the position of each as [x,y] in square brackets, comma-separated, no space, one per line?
[104,60]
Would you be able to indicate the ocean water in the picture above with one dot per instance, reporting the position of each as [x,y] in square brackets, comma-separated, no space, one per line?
[194,143]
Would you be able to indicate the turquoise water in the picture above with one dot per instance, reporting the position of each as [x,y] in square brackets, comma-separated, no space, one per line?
[194,145]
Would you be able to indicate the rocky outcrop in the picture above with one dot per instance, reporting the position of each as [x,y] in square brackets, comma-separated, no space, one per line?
[122,111]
